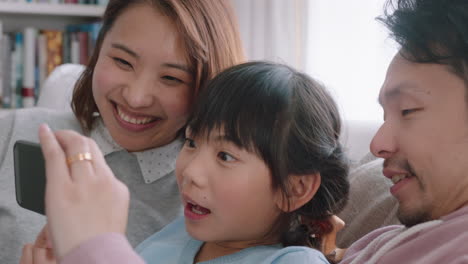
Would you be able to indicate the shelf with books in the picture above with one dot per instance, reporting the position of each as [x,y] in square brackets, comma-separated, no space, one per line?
[37,37]
[65,10]
[30,55]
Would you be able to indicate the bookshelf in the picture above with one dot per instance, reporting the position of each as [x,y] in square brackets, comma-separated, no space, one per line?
[15,16]
[36,38]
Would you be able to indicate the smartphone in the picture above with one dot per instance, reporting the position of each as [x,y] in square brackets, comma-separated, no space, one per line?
[30,176]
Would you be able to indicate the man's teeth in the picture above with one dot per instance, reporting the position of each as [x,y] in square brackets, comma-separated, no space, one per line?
[398,177]
[133,120]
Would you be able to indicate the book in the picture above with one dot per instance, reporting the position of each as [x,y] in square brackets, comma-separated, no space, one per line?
[29,64]
[66,56]
[54,49]
[83,40]
[42,59]
[102,2]
[1,66]
[17,71]
[79,41]
[5,64]
[74,48]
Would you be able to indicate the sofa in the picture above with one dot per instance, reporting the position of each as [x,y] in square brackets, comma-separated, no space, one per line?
[371,205]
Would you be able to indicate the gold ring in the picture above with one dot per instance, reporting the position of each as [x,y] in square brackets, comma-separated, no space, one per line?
[79,157]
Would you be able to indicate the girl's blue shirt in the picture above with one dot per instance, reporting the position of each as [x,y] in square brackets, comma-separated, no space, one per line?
[174,245]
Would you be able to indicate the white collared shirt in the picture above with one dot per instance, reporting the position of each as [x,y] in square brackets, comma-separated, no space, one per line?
[154,163]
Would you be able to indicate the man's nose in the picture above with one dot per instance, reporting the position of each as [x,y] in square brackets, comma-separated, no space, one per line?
[384,144]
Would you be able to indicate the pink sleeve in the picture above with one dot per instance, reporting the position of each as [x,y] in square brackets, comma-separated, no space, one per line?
[355,249]
[106,248]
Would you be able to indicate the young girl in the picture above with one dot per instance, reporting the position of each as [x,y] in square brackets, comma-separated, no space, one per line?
[260,171]
[133,99]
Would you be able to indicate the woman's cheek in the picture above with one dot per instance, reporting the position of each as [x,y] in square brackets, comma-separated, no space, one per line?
[180,106]
[103,79]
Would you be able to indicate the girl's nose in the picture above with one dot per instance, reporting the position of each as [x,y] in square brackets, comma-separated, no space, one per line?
[194,168]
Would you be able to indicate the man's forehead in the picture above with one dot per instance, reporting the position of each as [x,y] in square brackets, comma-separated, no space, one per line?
[390,92]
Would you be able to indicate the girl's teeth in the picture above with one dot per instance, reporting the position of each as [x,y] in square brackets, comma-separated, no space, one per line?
[133,120]
[195,210]
[199,210]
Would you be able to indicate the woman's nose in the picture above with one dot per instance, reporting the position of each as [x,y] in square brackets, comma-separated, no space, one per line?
[140,93]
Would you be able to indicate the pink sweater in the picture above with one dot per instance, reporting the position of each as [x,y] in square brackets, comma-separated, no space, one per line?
[441,241]
[106,248]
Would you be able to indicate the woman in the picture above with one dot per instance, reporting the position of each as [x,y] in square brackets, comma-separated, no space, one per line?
[133,99]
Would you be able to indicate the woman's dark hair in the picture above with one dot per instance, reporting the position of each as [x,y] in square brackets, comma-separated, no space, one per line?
[292,123]
[431,31]
[209,30]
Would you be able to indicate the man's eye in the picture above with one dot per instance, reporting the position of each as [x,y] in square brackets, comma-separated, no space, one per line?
[406,112]
[189,143]
[225,156]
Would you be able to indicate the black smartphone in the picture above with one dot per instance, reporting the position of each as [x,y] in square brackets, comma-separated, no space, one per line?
[30,176]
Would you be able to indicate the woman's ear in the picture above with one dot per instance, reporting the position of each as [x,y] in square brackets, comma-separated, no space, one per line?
[301,190]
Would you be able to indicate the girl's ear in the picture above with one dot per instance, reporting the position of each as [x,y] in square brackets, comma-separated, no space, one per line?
[301,190]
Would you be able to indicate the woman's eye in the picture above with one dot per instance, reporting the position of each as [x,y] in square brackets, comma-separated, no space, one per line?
[122,62]
[225,156]
[172,79]
[189,143]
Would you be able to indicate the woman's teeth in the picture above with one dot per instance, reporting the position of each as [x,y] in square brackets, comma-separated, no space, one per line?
[134,120]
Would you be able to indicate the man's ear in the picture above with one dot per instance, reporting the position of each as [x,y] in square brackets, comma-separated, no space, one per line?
[301,190]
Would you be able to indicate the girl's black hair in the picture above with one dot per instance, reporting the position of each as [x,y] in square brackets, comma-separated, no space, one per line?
[292,123]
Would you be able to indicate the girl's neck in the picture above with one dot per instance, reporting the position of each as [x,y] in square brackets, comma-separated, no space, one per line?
[212,250]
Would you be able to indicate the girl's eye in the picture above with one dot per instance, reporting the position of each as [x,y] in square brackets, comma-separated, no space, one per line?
[172,79]
[122,62]
[225,156]
[189,143]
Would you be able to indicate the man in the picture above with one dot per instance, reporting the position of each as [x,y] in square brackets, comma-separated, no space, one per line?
[424,137]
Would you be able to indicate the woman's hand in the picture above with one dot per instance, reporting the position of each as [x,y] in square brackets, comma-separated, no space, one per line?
[40,252]
[83,198]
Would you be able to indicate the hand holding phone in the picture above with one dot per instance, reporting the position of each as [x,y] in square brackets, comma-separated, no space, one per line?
[30,177]
[83,198]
